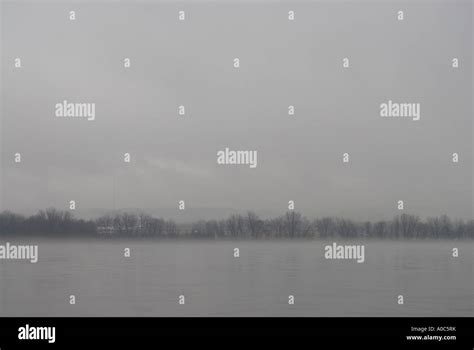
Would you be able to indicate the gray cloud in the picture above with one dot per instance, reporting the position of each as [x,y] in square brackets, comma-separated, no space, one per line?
[282,63]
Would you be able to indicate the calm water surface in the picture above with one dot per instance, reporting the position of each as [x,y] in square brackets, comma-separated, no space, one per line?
[257,283]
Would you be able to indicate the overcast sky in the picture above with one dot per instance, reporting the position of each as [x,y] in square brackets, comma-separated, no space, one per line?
[283,63]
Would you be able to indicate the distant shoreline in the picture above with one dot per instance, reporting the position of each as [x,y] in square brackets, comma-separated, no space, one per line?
[53,223]
[32,238]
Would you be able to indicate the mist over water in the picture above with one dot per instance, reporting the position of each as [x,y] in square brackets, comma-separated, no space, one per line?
[258,283]
[340,123]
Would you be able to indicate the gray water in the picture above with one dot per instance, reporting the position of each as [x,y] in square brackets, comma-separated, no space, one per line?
[258,283]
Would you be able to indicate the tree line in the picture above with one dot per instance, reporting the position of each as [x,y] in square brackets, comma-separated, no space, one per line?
[55,223]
